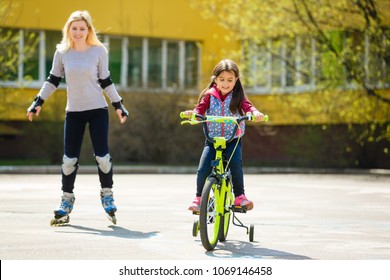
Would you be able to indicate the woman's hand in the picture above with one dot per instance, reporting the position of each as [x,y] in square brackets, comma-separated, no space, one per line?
[120,116]
[120,111]
[35,107]
[30,115]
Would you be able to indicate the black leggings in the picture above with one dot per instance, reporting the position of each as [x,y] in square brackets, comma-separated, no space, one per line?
[74,128]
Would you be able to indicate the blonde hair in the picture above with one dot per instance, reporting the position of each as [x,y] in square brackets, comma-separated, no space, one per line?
[67,42]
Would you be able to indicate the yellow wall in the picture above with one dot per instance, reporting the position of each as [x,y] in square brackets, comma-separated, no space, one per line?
[278,107]
[149,18]
[326,107]
[167,19]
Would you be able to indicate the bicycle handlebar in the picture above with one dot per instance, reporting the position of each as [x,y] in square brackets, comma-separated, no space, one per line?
[194,119]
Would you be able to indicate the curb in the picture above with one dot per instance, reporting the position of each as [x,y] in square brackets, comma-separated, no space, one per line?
[155,169]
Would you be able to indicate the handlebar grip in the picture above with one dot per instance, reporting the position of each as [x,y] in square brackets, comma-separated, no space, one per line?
[182,115]
[265,118]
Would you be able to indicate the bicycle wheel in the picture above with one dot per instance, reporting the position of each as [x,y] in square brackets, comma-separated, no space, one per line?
[195,228]
[225,220]
[209,220]
[251,232]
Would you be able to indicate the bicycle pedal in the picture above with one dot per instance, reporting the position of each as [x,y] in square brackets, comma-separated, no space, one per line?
[239,209]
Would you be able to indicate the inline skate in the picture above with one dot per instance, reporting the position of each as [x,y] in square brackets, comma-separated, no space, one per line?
[107,199]
[61,214]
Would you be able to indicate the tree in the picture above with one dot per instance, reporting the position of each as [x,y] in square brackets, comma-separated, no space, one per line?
[347,70]
[12,55]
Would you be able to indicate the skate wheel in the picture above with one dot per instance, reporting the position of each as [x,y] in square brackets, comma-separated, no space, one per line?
[59,221]
[112,218]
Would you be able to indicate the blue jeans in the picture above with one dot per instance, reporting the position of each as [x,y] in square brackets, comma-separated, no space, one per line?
[74,129]
[204,168]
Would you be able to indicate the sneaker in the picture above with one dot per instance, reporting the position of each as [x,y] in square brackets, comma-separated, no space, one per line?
[107,199]
[195,205]
[243,202]
[66,206]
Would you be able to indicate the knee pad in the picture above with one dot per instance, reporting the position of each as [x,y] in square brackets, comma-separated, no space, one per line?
[69,165]
[104,163]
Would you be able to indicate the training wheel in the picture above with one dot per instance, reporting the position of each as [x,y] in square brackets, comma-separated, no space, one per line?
[195,228]
[251,233]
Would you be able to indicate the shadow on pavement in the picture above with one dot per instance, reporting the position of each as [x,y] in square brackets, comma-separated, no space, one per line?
[115,231]
[239,249]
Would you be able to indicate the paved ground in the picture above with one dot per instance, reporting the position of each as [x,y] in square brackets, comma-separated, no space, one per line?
[296,217]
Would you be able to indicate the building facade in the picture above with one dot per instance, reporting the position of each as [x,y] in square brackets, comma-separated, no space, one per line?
[167,47]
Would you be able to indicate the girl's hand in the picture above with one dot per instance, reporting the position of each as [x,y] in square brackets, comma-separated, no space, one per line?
[188,113]
[258,116]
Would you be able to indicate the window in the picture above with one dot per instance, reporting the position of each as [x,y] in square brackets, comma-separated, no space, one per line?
[191,65]
[386,57]
[172,65]
[378,59]
[19,55]
[154,63]
[276,64]
[354,47]
[304,62]
[134,62]
[115,59]
[30,55]
[290,58]
[9,54]
[52,39]
[134,77]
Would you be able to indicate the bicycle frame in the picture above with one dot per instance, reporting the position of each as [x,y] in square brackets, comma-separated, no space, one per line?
[221,173]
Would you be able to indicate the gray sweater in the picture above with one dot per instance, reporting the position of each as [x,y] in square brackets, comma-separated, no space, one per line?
[82,71]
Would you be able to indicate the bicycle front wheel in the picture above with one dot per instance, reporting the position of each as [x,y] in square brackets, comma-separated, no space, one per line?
[209,220]
[225,220]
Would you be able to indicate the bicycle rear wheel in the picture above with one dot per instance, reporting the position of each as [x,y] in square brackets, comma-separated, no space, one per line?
[209,220]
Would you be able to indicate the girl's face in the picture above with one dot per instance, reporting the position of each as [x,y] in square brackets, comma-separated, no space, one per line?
[225,82]
[78,31]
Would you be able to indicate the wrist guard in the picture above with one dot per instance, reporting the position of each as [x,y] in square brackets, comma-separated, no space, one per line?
[119,105]
[38,101]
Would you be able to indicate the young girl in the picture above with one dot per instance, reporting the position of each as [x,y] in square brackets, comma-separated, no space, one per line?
[224,96]
[83,60]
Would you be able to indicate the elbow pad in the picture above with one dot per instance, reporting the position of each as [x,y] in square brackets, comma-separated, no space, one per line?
[54,80]
[119,105]
[105,82]
[38,102]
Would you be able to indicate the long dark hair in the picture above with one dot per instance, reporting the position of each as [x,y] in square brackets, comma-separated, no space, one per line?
[238,94]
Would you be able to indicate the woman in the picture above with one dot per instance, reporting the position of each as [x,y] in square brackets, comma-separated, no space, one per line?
[83,60]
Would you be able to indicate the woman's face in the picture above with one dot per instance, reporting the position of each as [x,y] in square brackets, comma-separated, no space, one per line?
[78,31]
[225,82]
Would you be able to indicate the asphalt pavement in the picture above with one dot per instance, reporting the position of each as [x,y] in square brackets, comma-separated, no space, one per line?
[296,217]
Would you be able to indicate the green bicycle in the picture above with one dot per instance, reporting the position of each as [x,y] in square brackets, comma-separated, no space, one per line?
[217,199]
